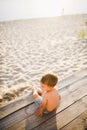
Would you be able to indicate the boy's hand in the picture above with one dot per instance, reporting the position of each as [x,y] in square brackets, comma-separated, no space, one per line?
[38,112]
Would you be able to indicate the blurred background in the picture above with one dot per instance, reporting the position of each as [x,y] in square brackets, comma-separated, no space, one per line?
[22,9]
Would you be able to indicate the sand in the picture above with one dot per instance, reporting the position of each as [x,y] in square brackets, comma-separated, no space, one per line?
[32,47]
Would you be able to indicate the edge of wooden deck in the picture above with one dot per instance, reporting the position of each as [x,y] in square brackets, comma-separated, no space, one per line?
[24,101]
[73,107]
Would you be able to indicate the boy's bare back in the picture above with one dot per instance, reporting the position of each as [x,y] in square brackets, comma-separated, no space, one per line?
[52,99]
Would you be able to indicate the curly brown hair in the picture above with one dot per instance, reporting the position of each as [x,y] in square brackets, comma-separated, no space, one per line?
[49,79]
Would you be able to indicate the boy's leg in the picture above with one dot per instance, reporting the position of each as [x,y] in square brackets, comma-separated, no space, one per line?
[38,101]
[37,98]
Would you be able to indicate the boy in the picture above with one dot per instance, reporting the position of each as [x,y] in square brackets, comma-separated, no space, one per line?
[46,98]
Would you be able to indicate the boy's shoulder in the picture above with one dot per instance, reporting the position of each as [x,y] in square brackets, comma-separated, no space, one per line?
[54,90]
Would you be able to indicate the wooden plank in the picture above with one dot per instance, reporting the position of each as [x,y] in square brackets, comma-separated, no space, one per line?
[78,84]
[80,123]
[66,101]
[15,105]
[17,116]
[73,78]
[65,117]
[24,101]
[28,111]
[72,97]
[58,121]
[73,86]
[21,126]
[69,99]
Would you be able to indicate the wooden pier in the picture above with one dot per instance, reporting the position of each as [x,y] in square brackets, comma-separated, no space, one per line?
[70,115]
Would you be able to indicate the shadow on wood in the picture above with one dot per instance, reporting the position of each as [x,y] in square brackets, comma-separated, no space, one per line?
[31,123]
[71,114]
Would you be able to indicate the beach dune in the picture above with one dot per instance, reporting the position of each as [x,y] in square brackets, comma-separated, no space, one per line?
[29,48]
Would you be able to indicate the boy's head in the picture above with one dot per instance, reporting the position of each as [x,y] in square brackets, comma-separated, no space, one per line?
[49,79]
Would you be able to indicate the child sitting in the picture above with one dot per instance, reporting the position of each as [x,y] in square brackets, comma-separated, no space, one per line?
[46,98]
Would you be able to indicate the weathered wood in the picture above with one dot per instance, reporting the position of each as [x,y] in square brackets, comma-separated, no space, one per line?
[72,79]
[72,97]
[66,101]
[27,113]
[65,116]
[24,101]
[74,86]
[15,105]
[80,123]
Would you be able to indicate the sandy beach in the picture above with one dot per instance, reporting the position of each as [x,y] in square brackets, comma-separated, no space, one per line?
[32,47]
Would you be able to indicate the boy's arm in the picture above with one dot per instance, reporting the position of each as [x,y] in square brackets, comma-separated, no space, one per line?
[40,91]
[39,111]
